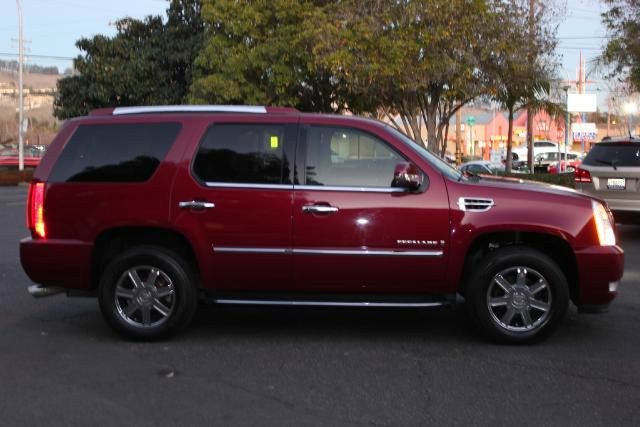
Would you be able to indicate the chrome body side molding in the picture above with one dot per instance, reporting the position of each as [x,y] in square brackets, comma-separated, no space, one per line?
[346,252]
[350,189]
[249,186]
[229,250]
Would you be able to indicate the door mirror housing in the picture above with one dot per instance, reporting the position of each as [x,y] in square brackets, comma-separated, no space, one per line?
[408,176]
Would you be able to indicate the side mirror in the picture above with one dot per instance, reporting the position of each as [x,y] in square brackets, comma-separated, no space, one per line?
[407,175]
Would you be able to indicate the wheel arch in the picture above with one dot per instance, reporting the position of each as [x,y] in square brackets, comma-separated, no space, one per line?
[114,241]
[555,247]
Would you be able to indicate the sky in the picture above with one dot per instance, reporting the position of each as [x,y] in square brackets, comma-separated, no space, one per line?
[53,26]
[581,30]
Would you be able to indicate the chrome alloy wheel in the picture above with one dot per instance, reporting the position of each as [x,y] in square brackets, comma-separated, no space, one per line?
[519,299]
[145,296]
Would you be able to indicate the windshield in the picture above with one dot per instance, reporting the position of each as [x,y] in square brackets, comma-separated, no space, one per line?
[622,154]
[446,169]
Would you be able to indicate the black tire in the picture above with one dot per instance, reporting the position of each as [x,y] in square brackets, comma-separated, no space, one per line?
[167,293]
[522,318]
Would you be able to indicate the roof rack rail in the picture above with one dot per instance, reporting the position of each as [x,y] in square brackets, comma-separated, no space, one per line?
[119,111]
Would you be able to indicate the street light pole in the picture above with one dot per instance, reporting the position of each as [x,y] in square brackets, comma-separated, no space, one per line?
[20,89]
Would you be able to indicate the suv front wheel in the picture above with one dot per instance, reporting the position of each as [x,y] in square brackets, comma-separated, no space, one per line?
[148,293]
[517,295]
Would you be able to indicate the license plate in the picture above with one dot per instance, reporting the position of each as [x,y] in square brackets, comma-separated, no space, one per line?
[616,183]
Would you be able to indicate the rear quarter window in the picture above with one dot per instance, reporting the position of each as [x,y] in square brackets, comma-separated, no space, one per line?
[609,154]
[114,152]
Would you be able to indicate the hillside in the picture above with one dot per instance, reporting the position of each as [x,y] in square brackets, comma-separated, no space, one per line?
[38,108]
[36,81]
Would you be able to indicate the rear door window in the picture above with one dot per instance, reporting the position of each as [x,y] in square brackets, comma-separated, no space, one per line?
[114,152]
[613,154]
[245,154]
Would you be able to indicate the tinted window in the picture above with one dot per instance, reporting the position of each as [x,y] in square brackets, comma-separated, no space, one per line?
[244,153]
[476,168]
[348,157]
[114,153]
[618,154]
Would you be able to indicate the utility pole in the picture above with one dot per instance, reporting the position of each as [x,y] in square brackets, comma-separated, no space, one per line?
[567,123]
[608,114]
[20,90]
[529,109]
[459,137]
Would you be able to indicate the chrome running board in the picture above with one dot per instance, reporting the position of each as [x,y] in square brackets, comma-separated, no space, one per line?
[293,303]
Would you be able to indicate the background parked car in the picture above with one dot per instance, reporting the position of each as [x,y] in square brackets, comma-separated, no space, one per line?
[481,167]
[568,166]
[611,171]
[543,160]
[32,155]
[539,147]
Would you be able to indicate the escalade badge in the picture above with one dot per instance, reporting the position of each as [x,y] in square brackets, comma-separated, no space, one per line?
[420,242]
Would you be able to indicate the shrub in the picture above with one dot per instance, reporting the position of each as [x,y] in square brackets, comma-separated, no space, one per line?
[565,179]
[12,176]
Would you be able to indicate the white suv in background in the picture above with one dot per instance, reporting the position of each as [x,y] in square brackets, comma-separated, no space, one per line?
[539,147]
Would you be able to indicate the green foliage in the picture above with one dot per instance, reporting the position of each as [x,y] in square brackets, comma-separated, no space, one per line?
[519,63]
[622,52]
[147,63]
[261,52]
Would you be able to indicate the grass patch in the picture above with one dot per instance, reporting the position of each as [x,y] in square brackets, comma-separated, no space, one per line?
[565,179]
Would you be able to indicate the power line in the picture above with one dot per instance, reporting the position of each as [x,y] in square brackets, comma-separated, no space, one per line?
[584,37]
[62,58]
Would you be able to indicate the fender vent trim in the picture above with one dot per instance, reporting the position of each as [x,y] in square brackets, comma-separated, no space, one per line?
[474,204]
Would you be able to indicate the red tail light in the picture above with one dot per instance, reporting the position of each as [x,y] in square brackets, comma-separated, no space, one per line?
[581,175]
[35,210]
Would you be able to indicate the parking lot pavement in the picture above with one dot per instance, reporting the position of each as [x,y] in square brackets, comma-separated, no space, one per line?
[61,365]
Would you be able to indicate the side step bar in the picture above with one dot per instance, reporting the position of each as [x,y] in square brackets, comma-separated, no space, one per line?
[331,300]
[330,303]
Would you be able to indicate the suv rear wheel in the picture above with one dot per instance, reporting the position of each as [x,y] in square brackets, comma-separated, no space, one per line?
[148,293]
[518,295]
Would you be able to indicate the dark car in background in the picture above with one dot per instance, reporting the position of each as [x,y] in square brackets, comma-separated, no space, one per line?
[611,171]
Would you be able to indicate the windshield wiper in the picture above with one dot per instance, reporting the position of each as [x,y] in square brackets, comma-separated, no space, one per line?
[612,163]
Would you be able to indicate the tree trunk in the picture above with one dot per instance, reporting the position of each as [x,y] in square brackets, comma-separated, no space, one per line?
[444,140]
[432,131]
[415,128]
[530,139]
[509,141]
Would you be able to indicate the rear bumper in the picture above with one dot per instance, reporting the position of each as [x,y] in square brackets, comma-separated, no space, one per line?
[600,269]
[627,203]
[57,263]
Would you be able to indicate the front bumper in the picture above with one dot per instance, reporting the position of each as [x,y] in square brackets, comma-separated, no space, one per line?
[57,263]
[600,269]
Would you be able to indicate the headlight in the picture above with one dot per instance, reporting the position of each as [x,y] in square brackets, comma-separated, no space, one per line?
[604,227]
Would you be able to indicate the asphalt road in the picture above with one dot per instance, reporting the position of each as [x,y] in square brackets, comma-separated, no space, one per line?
[61,365]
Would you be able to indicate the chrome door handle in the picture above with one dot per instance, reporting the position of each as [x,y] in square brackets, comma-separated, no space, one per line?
[196,205]
[319,209]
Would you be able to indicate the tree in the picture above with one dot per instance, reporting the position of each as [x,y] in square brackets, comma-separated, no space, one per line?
[515,82]
[414,59]
[622,52]
[261,52]
[146,62]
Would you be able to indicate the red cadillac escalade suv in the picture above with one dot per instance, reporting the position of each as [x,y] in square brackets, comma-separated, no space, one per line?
[152,208]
